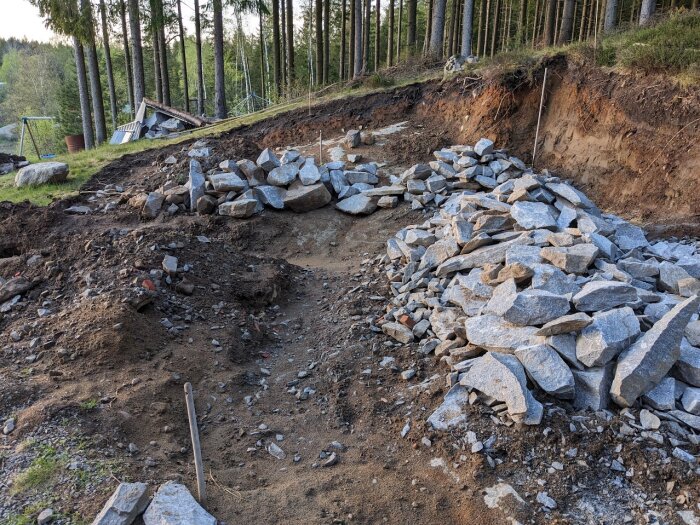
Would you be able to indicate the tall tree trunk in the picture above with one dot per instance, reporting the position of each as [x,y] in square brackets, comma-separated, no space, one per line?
[200,65]
[449,38]
[582,22]
[290,44]
[428,27]
[550,19]
[610,16]
[494,34]
[276,51]
[557,27]
[591,18]
[219,83]
[522,22]
[163,48]
[467,29]
[357,45]
[487,24]
[85,116]
[262,55]
[156,61]
[98,107]
[366,34]
[127,58]
[343,41]
[283,41]
[327,40]
[438,28]
[411,8]
[390,39]
[399,33]
[482,28]
[108,65]
[183,57]
[319,41]
[351,40]
[567,22]
[377,35]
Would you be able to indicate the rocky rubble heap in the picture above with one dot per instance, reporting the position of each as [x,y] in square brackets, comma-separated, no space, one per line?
[242,188]
[523,288]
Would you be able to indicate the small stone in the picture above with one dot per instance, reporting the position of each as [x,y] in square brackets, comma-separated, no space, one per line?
[648,420]
[45,516]
[399,332]
[544,500]
[275,450]
[408,374]
[170,264]
[9,426]
[268,160]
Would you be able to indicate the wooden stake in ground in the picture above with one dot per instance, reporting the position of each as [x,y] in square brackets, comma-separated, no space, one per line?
[320,147]
[539,117]
[194,432]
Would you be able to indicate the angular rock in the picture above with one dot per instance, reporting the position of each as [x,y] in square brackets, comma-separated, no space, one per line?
[593,387]
[602,295]
[13,287]
[360,204]
[282,175]
[547,369]
[691,400]
[174,505]
[502,377]
[662,396]
[383,191]
[533,215]
[227,182]
[566,324]
[254,173]
[309,173]
[571,194]
[649,359]
[41,173]
[628,237]
[572,259]
[483,147]
[439,252]
[388,201]
[125,504]
[670,275]
[491,332]
[272,196]
[306,198]
[196,183]
[239,208]
[529,307]
[362,177]
[206,205]
[692,333]
[397,331]
[353,138]
[687,367]
[268,160]
[609,334]
[451,412]
[488,254]
[153,204]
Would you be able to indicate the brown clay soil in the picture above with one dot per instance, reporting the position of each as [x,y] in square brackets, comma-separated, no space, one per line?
[282,301]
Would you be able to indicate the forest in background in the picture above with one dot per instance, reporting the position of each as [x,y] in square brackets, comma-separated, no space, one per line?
[245,68]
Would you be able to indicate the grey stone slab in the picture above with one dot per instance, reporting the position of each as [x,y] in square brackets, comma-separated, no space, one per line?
[124,505]
[610,333]
[174,505]
[602,295]
[544,365]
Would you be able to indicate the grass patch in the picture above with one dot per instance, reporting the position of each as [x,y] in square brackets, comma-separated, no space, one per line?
[671,46]
[89,404]
[42,469]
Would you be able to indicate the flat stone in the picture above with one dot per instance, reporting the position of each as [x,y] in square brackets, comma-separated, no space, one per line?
[571,194]
[174,505]
[383,191]
[282,175]
[638,269]
[593,387]
[196,183]
[443,322]
[670,275]
[268,160]
[125,504]
[272,196]
[606,246]
[451,412]
[565,324]
[650,358]
[488,254]
[199,153]
[529,307]
[533,215]
[485,201]
[691,420]
[41,173]
[363,177]
[13,287]
[502,377]
[306,198]
[610,333]
[78,210]
[565,345]
[572,259]
[397,331]
[227,182]
[602,295]
[360,204]
[649,420]
[439,252]
[547,369]
[419,237]
[687,367]
[523,254]
[491,332]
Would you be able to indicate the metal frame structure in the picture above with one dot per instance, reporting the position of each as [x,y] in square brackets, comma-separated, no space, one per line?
[25,125]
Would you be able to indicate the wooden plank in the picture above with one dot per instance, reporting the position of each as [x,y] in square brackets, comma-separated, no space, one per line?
[186,117]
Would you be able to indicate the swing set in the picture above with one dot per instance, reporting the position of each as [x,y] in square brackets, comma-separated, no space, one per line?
[27,126]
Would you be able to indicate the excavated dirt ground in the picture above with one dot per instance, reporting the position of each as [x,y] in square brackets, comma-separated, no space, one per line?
[97,385]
